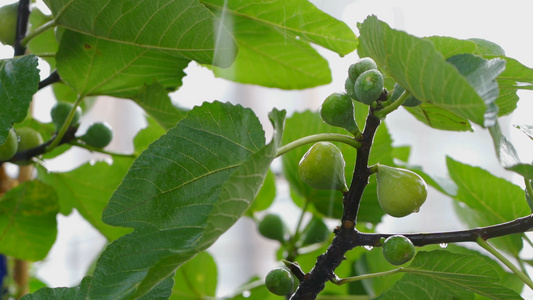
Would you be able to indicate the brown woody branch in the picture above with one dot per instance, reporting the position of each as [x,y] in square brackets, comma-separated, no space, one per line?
[346,236]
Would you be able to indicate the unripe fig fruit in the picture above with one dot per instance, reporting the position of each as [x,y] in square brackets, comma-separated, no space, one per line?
[316,231]
[398,249]
[8,23]
[368,86]
[337,110]
[359,67]
[400,192]
[98,135]
[398,91]
[272,227]
[28,138]
[349,87]
[60,111]
[279,281]
[10,146]
[322,167]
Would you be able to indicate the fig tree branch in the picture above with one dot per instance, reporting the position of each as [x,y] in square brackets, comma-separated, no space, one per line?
[519,225]
[52,78]
[346,237]
[352,198]
[22,26]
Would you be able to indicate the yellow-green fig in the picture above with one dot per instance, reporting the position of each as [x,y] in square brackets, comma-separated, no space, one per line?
[400,192]
[10,146]
[322,167]
[8,23]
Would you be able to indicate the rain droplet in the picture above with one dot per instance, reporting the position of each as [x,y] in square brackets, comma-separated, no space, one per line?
[443,245]
[367,247]
[246,294]
[416,210]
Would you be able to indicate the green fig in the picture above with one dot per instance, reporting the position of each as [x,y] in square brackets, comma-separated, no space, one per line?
[8,23]
[98,135]
[349,86]
[338,110]
[272,227]
[10,146]
[279,281]
[400,192]
[322,167]
[316,231]
[60,112]
[359,67]
[368,86]
[398,250]
[28,138]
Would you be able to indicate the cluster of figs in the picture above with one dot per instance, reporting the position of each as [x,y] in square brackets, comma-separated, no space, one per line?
[400,192]
[18,140]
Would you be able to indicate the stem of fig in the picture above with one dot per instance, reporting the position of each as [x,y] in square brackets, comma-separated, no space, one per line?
[37,31]
[505,261]
[529,191]
[392,107]
[368,276]
[65,125]
[291,244]
[99,150]
[320,137]
[373,169]
[527,240]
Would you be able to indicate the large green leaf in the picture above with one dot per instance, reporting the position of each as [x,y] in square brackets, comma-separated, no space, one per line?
[296,18]
[28,225]
[197,279]
[181,194]
[417,66]
[439,118]
[444,275]
[72,293]
[95,66]
[514,77]
[184,28]
[19,80]
[481,74]
[507,154]
[489,200]
[274,37]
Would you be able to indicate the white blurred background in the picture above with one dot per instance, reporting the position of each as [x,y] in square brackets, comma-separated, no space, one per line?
[507,23]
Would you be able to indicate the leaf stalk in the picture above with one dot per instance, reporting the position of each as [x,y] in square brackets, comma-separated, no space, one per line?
[481,242]
[320,137]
